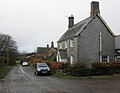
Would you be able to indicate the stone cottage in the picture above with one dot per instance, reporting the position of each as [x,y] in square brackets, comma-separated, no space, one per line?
[46,52]
[90,40]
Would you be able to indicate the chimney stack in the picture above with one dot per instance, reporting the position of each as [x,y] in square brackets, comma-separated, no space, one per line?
[47,45]
[71,21]
[94,8]
[52,44]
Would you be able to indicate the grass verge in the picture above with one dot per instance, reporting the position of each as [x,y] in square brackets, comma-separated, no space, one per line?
[115,76]
[4,70]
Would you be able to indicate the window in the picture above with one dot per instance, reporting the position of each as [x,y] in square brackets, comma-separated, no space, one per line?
[105,58]
[60,44]
[71,59]
[117,58]
[58,56]
[65,44]
[71,43]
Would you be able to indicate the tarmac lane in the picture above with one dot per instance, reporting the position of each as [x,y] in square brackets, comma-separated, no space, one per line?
[22,80]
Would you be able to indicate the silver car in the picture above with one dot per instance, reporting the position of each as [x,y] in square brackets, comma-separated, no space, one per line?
[42,68]
[25,63]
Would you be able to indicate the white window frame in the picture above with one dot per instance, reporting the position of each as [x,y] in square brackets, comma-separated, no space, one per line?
[66,44]
[71,59]
[105,58]
[60,44]
[71,43]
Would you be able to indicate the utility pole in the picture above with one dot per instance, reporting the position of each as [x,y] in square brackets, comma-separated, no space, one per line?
[7,55]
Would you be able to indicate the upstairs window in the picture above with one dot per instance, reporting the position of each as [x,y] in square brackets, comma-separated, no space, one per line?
[65,44]
[60,44]
[71,43]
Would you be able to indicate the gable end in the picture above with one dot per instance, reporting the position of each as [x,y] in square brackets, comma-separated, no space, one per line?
[105,24]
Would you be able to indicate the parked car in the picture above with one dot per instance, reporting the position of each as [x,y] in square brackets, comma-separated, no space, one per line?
[42,68]
[25,63]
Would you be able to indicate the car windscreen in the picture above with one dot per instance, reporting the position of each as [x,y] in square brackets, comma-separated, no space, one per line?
[42,65]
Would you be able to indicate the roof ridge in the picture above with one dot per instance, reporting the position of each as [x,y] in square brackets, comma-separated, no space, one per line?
[77,26]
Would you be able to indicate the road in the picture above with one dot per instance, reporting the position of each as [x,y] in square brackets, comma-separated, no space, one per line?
[22,80]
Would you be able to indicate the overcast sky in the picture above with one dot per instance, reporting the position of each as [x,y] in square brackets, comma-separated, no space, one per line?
[35,23]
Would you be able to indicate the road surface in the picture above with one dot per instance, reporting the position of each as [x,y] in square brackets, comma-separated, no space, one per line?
[22,80]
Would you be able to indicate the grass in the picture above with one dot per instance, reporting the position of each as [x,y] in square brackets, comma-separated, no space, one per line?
[4,70]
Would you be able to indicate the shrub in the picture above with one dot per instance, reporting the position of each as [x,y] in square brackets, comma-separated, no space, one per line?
[77,69]
[97,69]
[80,72]
[97,65]
[57,65]
[106,68]
[79,65]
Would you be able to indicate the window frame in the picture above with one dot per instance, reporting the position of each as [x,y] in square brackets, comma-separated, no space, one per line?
[105,58]
[71,59]
[66,45]
[60,45]
[71,43]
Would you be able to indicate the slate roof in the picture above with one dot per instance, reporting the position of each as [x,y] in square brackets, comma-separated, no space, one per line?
[42,49]
[71,32]
[63,54]
[78,28]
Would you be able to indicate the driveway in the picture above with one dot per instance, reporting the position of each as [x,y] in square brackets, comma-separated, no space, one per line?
[22,80]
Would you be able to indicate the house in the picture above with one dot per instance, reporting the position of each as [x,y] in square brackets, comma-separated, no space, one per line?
[51,54]
[46,52]
[90,40]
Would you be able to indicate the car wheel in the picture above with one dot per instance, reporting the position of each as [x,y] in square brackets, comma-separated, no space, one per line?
[37,73]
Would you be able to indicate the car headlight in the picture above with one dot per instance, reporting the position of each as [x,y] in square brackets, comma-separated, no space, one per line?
[48,69]
[39,69]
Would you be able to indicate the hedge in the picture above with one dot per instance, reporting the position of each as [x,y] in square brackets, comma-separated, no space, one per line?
[97,69]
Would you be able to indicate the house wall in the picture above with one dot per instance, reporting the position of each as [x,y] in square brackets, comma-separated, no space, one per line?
[88,42]
[61,45]
[71,51]
[63,60]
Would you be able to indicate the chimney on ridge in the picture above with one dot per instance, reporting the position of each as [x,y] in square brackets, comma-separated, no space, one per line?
[94,8]
[47,45]
[70,21]
[52,44]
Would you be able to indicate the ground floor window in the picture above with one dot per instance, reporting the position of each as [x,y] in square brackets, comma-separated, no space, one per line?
[105,58]
[71,59]
[117,58]
[58,59]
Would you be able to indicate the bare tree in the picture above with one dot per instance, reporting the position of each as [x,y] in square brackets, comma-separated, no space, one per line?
[8,48]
